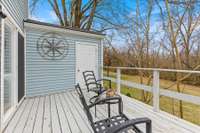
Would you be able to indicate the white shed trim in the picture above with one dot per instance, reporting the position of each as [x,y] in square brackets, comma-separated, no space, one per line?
[60,29]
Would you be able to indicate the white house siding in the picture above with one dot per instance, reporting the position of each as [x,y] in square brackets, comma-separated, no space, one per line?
[18,10]
[47,76]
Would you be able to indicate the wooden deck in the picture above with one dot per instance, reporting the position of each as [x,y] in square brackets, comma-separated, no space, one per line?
[63,113]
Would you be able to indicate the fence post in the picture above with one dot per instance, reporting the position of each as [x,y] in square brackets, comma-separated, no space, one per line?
[156,92]
[118,80]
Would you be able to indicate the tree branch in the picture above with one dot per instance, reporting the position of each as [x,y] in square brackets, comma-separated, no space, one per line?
[65,13]
[55,7]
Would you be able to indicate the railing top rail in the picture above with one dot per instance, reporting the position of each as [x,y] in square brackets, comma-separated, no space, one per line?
[155,69]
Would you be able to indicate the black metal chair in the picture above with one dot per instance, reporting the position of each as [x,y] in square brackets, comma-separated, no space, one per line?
[93,84]
[116,124]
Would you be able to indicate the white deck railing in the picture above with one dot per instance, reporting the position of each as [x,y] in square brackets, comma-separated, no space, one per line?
[155,88]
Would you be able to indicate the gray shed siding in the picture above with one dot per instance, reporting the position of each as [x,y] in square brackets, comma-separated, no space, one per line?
[48,76]
[18,9]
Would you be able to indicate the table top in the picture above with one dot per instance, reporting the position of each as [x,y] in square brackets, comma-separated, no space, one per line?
[103,96]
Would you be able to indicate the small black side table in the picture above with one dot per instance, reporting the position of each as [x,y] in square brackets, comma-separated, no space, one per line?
[104,99]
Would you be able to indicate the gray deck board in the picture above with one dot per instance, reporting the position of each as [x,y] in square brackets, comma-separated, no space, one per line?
[32,116]
[62,116]
[23,120]
[47,120]
[56,127]
[63,113]
[82,122]
[16,118]
[38,122]
[73,124]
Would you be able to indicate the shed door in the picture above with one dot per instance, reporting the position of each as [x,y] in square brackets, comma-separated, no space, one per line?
[86,59]
[20,66]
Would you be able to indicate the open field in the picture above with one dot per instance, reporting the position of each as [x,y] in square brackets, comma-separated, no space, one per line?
[191,112]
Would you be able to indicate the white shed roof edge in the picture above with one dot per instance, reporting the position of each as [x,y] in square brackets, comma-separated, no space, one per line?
[58,29]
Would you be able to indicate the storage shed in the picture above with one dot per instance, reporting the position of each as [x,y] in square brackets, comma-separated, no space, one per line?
[55,57]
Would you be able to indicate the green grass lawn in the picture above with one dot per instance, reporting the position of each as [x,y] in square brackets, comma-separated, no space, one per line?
[191,112]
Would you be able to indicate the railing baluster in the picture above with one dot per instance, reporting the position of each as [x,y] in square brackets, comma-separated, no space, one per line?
[156,92]
[118,80]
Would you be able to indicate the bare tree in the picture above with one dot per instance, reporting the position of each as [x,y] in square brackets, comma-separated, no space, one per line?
[142,42]
[179,23]
[82,14]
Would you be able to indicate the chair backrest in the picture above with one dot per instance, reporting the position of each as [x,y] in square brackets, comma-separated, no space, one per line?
[90,80]
[84,103]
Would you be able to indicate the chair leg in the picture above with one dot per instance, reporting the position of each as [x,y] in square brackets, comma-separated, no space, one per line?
[109,110]
[148,127]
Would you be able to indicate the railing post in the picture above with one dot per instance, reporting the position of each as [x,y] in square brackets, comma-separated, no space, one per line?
[156,92]
[118,80]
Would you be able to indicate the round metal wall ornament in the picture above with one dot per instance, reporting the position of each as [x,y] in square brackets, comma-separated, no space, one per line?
[52,46]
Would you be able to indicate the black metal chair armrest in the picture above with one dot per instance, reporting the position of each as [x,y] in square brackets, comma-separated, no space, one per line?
[130,123]
[98,86]
[103,79]
[109,81]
